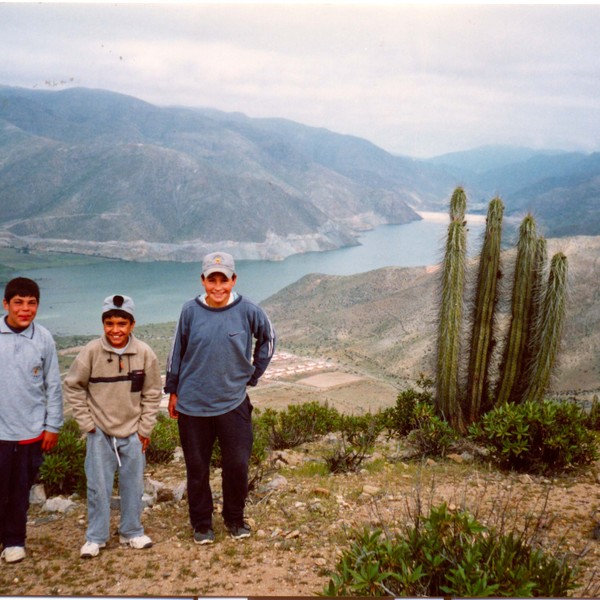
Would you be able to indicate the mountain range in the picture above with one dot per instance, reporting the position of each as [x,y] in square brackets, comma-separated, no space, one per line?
[95,172]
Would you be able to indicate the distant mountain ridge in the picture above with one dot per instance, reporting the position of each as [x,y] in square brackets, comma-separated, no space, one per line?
[561,189]
[96,172]
[108,174]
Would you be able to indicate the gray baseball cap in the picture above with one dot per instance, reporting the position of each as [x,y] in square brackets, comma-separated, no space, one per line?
[118,302]
[218,262]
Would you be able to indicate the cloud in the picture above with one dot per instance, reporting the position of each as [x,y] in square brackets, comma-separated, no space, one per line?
[414,79]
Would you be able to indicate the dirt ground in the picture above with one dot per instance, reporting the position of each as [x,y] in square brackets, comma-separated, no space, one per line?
[301,517]
[301,520]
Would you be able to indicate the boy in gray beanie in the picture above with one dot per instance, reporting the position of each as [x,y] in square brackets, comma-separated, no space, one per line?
[114,388]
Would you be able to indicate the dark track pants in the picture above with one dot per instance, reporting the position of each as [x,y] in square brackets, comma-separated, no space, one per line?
[233,430]
[19,466]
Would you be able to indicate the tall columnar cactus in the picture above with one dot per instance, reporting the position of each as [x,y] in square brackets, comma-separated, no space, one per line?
[458,205]
[483,321]
[550,329]
[512,361]
[533,340]
[451,314]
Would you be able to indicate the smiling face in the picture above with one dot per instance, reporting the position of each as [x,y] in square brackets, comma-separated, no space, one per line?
[21,311]
[218,289]
[117,330]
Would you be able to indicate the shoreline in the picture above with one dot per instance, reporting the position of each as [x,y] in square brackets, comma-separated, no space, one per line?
[442,217]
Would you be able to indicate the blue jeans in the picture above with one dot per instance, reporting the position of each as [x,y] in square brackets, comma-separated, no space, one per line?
[233,430]
[104,455]
[19,466]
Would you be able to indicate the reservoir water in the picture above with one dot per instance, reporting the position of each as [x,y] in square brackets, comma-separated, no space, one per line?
[72,296]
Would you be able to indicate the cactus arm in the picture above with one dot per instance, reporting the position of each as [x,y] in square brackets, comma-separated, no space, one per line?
[483,320]
[521,299]
[450,319]
[553,316]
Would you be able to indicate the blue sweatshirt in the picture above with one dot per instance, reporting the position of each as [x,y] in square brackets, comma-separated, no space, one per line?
[216,353]
[30,386]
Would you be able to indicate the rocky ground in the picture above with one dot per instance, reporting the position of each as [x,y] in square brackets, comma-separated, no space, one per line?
[301,518]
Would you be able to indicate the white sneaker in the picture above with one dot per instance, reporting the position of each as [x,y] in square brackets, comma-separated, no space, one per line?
[90,549]
[139,542]
[13,554]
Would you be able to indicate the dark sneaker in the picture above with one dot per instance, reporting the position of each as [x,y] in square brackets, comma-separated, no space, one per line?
[204,536]
[238,531]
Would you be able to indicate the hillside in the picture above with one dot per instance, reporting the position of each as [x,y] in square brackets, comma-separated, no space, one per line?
[107,174]
[383,322]
[561,189]
[99,173]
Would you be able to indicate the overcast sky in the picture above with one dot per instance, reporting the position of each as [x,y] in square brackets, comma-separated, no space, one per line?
[418,80]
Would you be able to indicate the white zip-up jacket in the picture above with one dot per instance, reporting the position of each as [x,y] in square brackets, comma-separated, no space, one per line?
[30,388]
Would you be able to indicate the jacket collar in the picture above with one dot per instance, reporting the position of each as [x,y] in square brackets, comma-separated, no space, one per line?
[130,349]
[28,333]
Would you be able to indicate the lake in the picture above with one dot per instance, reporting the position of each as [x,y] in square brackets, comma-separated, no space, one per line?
[71,297]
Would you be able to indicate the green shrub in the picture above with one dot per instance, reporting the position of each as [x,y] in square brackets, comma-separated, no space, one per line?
[63,471]
[537,437]
[297,424]
[163,441]
[447,554]
[358,437]
[361,429]
[402,418]
[432,436]
[593,417]
[260,445]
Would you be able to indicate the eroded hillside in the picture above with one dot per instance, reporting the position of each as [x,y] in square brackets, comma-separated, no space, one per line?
[384,321]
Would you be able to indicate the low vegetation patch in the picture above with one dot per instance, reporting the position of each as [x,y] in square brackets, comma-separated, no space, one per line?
[538,437]
[164,440]
[62,471]
[448,553]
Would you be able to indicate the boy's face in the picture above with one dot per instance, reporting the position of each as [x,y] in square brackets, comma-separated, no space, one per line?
[21,311]
[117,330]
[218,289]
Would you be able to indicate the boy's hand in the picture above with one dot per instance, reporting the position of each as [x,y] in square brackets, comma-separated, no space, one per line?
[145,442]
[49,440]
[172,410]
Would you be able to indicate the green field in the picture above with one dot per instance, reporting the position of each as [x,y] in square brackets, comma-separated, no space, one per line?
[12,259]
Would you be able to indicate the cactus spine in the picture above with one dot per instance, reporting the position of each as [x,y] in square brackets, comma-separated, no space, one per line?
[550,331]
[512,362]
[533,341]
[451,313]
[486,297]
[537,315]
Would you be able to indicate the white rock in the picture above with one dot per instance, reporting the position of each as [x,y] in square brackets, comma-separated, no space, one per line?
[58,504]
[278,482]
[179,491]
[37,494]
[371,490]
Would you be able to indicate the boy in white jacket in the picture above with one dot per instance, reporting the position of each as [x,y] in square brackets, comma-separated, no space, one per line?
[31,409]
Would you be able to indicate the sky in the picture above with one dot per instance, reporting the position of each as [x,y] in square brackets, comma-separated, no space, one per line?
[415,79]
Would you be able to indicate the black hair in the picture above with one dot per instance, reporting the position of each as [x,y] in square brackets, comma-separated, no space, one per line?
[115,312]
[21,286]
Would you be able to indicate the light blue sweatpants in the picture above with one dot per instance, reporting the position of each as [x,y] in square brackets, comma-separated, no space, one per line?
[104,455]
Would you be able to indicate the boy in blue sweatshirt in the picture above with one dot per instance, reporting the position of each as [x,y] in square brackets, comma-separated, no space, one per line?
[223,343]
[31,409]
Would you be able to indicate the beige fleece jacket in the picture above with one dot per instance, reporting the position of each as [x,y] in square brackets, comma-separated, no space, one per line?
[98,388]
